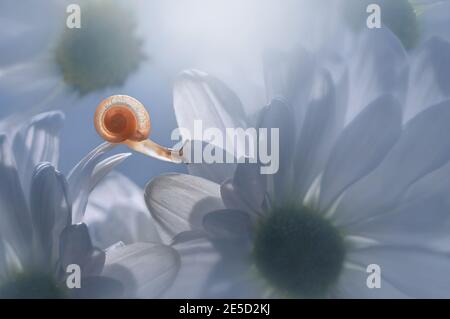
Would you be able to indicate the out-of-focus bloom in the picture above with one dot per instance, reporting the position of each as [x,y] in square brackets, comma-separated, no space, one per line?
[42,228]
[364,165]
[44,61]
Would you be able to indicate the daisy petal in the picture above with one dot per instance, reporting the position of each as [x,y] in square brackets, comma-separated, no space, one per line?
[378,67]
[435,20]
[290,77]
[227,224]
[199,96]
[37,142]
[216,172]
[419,273]
[50,211]
[198,257]
[422,148]
[421,222]
[178,202]
[429,76]
[76,248]
[25,30]
[353,285]
[98,287]
[4,269]
[82,178]
[104,167]
[15,221]
[434,183]
[361,147]
[276,116]
[116,212]
[247,190]
[146,270]
[28,89]
[317,135]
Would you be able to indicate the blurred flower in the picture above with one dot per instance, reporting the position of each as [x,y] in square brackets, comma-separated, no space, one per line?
[400,16]
[103,52]
[364,165]
[45,62]
[42,228]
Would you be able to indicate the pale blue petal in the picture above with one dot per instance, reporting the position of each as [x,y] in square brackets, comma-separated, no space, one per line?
[422,148]
[429,81]
[378,66]
[37,142]
[361,147]
[50,212]
[15,223]
[146,270]
[178,203]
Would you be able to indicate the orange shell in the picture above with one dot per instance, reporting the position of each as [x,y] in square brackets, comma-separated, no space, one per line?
[120,117]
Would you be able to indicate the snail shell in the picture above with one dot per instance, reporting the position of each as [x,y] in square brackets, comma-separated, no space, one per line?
[120,118]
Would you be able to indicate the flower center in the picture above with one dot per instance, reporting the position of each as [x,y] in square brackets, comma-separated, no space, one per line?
[31,286]
[103,52]
[398,15]
[298,252]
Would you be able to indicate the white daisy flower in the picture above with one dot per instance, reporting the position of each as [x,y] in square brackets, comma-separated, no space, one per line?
[364,160]
[44,62]
[43,229]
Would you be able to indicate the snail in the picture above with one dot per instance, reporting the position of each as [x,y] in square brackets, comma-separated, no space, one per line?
[121,119]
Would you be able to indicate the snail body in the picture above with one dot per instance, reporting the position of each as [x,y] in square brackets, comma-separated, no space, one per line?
[123,119]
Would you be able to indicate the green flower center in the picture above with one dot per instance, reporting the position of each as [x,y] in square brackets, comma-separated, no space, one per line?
[32,286]
[298,252]
[398,15]
[103,52]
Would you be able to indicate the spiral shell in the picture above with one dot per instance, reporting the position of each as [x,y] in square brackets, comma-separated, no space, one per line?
[120,118]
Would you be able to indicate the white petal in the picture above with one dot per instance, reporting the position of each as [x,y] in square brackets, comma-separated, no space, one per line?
[199,96]
[204,271]
[9,261]
[422,222]
[50,212]
[228,224]
[378,67]
[146,270]
[216,172]
[361,147]
[29,89]
[276,116]
[429,81]
[352,285]
[76,248]
[4,269]
[104,167]
[27,36]
[15,221]
[178,202]
[422,148]
[418,273]
[290,77]
[317,136]
[97,287]
[435,20]
[116,212]
[84,176]
[37,142]
[247,190]
[434,183]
